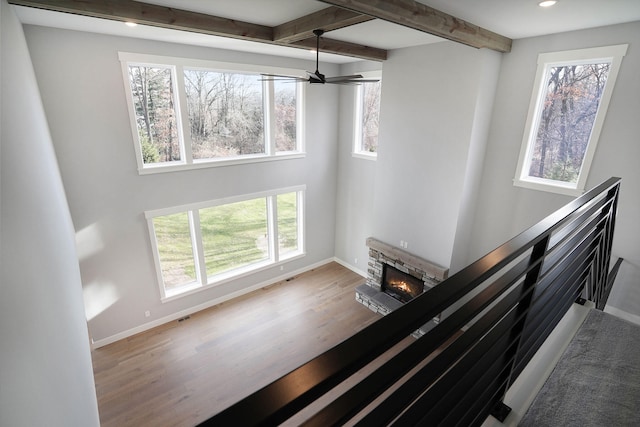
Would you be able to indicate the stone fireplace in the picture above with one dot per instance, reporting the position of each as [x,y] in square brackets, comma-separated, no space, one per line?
[394,277]
[402,286]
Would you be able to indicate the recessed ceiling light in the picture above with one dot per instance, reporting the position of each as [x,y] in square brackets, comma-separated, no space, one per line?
[130,24]
[547,3]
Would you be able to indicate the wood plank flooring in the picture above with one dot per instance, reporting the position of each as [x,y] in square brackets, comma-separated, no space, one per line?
[181,373]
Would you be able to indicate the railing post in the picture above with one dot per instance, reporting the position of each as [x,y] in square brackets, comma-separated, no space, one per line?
[603,285]
[536,259]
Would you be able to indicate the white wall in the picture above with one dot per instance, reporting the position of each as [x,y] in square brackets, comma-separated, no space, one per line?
[356,181]
[504,210]
[83,93]
[435,109]
[46,374]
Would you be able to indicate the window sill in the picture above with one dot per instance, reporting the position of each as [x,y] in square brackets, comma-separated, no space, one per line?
[549,186]
[366,156]
[227,277]
[201,164]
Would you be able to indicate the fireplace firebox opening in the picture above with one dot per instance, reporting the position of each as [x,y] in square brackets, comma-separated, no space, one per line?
[402,286]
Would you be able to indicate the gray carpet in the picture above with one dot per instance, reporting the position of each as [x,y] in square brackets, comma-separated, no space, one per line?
[596,381]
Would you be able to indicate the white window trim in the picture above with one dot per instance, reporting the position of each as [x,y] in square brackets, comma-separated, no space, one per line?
[357,122]
[177,65]
[612,54]
[202,281]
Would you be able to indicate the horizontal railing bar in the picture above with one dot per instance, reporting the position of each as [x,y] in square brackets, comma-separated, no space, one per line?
[586,222]
[581,253]
[557,254]
[547,296]
[437,399]
[577,220]
[426,375]
[491,382]
[484,361]
[521,362]
[372,386]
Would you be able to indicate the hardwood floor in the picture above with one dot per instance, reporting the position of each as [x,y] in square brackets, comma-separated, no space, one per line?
[181,373]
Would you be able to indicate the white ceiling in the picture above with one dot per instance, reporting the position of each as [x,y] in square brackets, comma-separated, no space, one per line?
[511,18]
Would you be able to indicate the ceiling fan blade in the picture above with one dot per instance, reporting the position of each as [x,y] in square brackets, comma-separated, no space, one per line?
[351,81]
[345,82]
[280,77]
[352,77]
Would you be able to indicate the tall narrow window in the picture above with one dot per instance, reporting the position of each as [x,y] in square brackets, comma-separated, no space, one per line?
[571,96]
[175,250]
[367,117]
[288,229]
[153,92]
[286,111]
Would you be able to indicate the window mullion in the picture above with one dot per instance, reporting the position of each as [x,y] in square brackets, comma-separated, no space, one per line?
[198,248]
[272,223]
[359,108]
[183,116]
[300,196]
[300,116]
[269,117]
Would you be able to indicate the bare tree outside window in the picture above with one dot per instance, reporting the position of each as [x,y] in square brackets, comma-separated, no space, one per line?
[572,98]
[367,116]
[226,113]
[154,102]
[370,116]
[286,111]
[191,114]
[567,111]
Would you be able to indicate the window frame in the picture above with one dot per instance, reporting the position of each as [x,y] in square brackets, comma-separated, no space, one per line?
[177,66]
[356,150]
[610,54]
[203,281]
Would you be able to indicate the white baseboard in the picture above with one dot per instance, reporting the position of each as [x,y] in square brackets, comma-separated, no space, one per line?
[191,310]
[633,318]
[350,267]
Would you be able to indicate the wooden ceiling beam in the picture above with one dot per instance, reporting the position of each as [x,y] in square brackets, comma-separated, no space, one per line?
[418,16]
[329,19]
[343,48]
[157,16]
[183,20]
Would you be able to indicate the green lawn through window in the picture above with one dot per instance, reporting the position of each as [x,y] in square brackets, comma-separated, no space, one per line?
[233,235]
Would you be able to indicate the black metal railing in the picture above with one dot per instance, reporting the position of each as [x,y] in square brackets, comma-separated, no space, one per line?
[502,306]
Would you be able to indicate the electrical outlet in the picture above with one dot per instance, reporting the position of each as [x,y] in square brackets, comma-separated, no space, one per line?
[147,313]
[356,260]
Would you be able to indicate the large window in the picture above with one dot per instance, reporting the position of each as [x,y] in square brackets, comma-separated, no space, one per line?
[367,117]
[208,243]
[187,113]
[568,106]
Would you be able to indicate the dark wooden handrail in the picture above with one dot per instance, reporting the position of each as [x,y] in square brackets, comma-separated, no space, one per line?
[503,305]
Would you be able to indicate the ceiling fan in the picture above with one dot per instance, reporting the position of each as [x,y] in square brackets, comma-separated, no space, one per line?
[317,76]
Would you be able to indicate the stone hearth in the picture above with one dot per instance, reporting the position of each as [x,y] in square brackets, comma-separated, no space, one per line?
[370,293]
